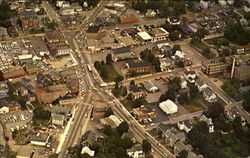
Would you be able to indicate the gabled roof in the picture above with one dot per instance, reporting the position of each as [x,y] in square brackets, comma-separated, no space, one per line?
[137,64]
[134,88]
[199,82]
[208,92]
[122,50]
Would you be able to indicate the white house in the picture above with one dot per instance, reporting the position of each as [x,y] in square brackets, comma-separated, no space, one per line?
[88,151]
[209,122]
[144,36]
[209,95]
[169,107]
[183,83]
[200,85]
[179,55]
[4,110]
[136,152]
[185,125]
[190,76]
[57,119]
[150,87]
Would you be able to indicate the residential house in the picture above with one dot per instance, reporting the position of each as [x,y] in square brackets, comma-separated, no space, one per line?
[159,34]
[166,64]
[4,90]
[13,72]
[185,125]
[86,150]
[150,87]
[112,120]
[28,20]
[193,155]
[170,138]
[58,119]
[132,66]
[179,146]
[183,83]
[4,109]
[200,85]
[179,55]
[174,20]
[122,53]
[136,151]
[168,106]
[209,122]
[150,13]
[3,33]
[143,113]
[190,76]
[77,8]
[209,95]
[135,91]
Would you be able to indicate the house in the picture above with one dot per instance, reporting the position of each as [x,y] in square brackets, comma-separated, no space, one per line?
[3,33]
[13,72]
[185,125]
[88,151]
[144,37]
[4,109]
[190,76]
[136,151]
[58,119]
[4,90]
[183,83]
[28,20]
[209,95]
[122,53]
[150,87]
[193,155]
[242,72]
[40,139]
[143,113]
[166,64]
[54,36]
[136,66]
[174,20]
[67,11]
[135,91]
[93,31]
[170,138]
[112,120]
[162,128]
[209,122]
[128,18]
[150,13]
[168,106]
[162,43]
[200,85]
[179,55]
[159,34]
[179,146]
[77,8]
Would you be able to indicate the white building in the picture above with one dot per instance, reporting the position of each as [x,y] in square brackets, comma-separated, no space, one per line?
[190,76]
[159,34]
[150,87]
[144,36]
[209,122]
[183,83]
[136,152]
[209,95]
[169,107]
[57,119]
[179,55]
[4,110]
[63,50]
[200,85]
[88,151]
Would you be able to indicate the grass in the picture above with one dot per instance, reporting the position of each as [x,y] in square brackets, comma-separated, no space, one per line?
[112,74]
[195,104]
[218,42]
[200,45]
[130,104]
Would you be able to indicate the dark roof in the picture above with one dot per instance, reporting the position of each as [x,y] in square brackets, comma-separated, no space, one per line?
[134,88]
[121,50]
[137,64]
[28,14]
[164,127]
[93,29]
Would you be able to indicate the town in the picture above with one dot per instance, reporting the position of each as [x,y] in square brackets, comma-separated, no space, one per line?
[124,79]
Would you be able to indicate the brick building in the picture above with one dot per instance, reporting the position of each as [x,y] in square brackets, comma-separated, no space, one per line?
[242,72]
[129,18]
[143,113]
[28,20]
[13,72]
[132,66]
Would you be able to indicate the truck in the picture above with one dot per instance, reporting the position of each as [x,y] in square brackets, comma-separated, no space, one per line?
[89,68]
[103,85]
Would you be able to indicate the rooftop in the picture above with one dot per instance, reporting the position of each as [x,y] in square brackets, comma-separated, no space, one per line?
[93,29]
[121,50]
[137,64]
[144,35]
[142,110]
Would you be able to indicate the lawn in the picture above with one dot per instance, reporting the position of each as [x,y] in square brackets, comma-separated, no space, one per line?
[130,104]
[195,104]
[200,45]
[112,74]
[218,42]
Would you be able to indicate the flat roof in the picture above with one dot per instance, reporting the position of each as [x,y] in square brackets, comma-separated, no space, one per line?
[144,35]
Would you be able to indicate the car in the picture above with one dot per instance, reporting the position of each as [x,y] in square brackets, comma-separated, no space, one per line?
[86,115]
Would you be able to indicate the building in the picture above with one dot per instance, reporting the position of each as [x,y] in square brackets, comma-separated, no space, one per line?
[143,113]
[24,151]
[150,13]
[59,49]
[209,95]
[51,93]
[4,90]
[132,66]
[28,20]
[13,72]
[179,55]
[86,150]
[135,91]
[242,72]
[159,34]
[209,122]
[215,66]
[54,36]
[150,87]
[122,53]
[170,138]
[93,31]
[136,151]
[40,139]
[58,119]
[200,85]
[3,33]
[190,76]
[112,121]
[179,147]
[185,125]
[144,37]
[128,18]
[174,20]
[169,107]
[4,109]
[67,11]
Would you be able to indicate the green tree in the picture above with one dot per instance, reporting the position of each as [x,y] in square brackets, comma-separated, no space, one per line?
[130,96]
[174,36]
[109,112]
[237,122]
[107,130]
[246,104]
[132,82]
[104,72]
[175,48]
[146,146]
[122,128]
[53,156]
[109,58]
[183,154]
[1,76]
[200,34]
[97,65]
[118,78]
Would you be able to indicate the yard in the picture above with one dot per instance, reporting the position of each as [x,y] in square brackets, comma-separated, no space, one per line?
[203,48]
[218,42]
[196,104]
[111,73]
[130,104]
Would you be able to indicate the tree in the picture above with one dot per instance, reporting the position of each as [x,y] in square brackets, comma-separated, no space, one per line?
[200,34]
[104,72]
[97,65]
[132,82]
[41,114]
[118,78]
[237,122]
[107,130]
[53,156]
[109,58]
[214,110]
[174,36]
[183,98]
[183,154]
[122,128]
[1,76]
[193,90]
[246,104]
[146,146]
[175,48]
[109,112]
